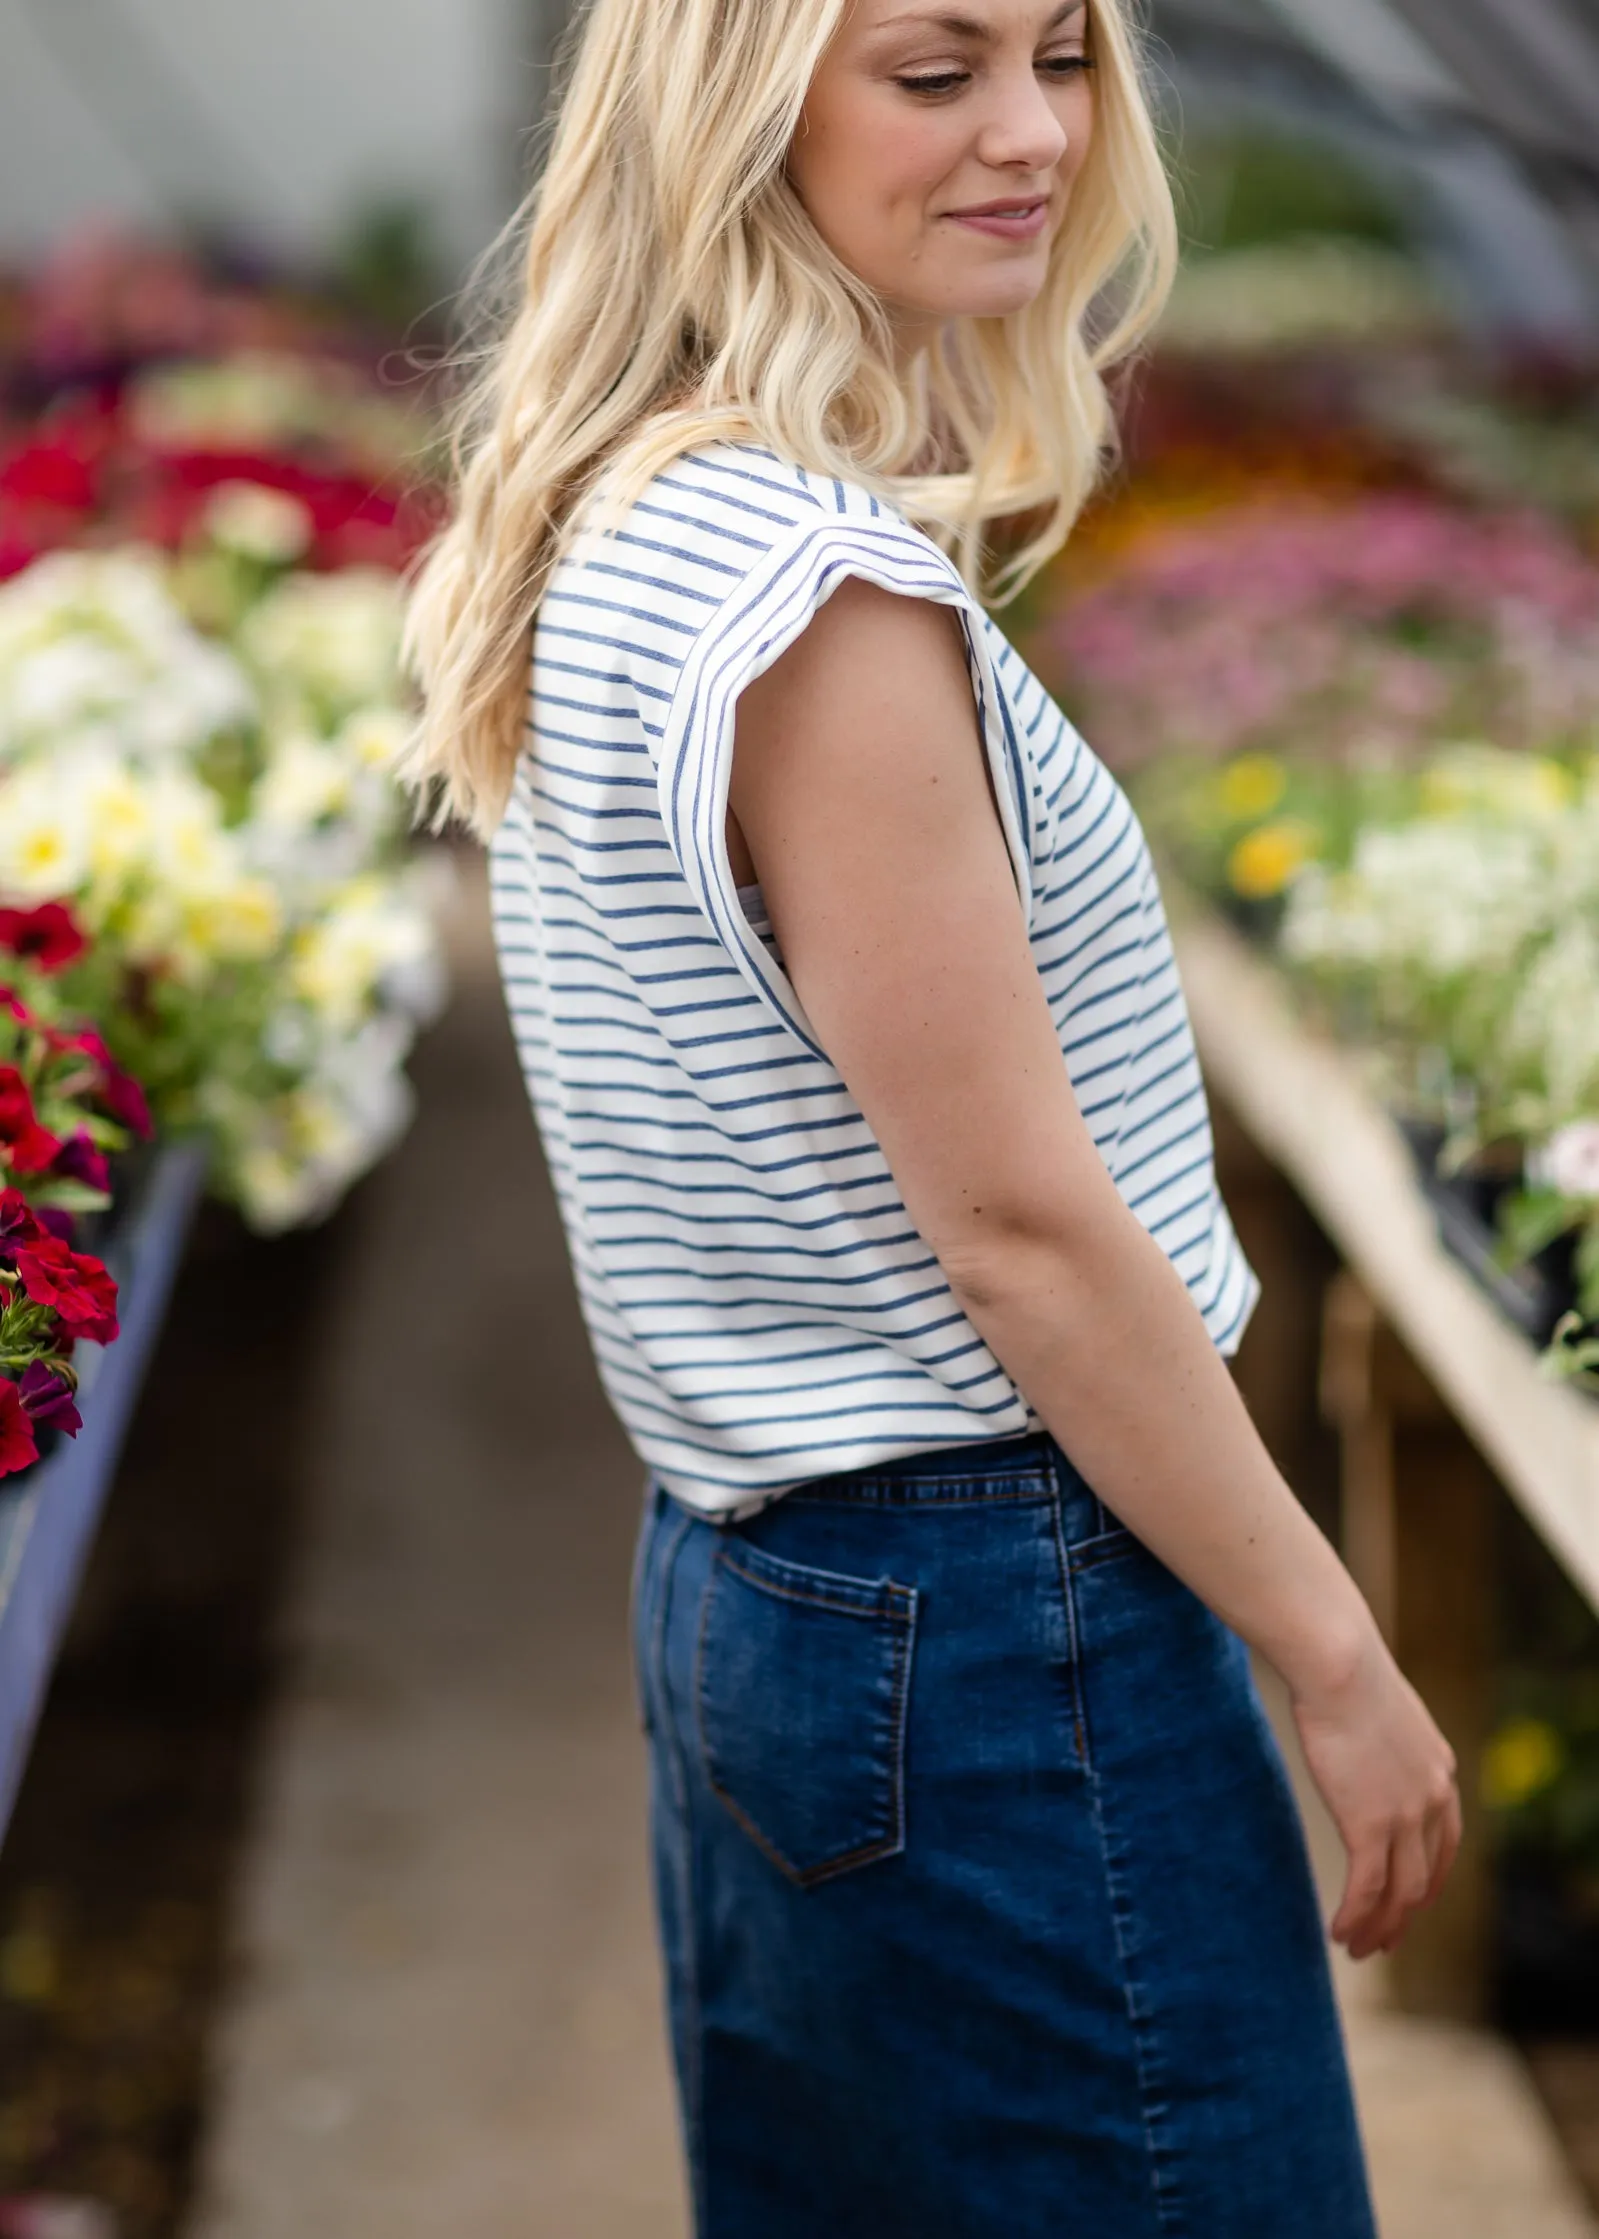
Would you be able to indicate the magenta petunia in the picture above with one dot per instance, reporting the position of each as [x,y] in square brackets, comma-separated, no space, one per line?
[81,1160]
[18,1446]
[18,1222]
[25,1146]
[48,1399]
[119,1092]
[75,1286]
[47,936]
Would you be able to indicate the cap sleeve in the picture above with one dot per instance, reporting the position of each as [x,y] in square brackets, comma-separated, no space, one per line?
[756,623]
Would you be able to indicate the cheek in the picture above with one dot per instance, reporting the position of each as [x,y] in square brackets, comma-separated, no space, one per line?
[867,163]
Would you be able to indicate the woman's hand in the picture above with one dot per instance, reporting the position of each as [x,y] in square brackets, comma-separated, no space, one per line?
[1387,1776]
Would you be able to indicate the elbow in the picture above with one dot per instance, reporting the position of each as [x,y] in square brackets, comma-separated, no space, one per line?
[1044,1256]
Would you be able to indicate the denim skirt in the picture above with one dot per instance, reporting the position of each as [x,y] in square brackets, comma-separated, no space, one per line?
[984,1903]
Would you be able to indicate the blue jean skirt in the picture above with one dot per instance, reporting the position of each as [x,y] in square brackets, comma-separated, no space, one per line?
[984,1902]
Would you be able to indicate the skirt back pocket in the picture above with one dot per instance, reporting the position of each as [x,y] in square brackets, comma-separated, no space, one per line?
[801,1688]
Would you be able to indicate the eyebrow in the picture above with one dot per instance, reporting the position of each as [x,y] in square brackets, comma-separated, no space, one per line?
[967,27]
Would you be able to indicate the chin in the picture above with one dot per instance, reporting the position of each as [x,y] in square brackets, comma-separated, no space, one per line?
[997,302]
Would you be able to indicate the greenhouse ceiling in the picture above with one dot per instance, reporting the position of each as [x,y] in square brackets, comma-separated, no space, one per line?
[1488,109]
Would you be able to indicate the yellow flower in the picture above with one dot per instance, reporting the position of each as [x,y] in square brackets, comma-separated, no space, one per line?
[1265,860]
[1520,1761]
[120,826]
[243,919]
[1471,778]
[374,738]
[1251,785]
[41,842]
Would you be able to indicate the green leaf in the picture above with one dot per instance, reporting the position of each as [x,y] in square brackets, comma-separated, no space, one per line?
[66,1196]
[1530,1219]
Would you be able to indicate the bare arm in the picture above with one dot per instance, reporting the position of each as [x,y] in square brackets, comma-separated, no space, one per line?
[860,788]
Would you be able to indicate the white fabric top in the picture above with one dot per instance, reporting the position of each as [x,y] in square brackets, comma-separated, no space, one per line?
[761,1309]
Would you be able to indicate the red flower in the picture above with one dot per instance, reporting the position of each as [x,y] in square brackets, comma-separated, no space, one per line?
[48,936]
[25,1146]
[73,1285]
[17,1223]
[119,1092]
[18,1446]
[11,1001]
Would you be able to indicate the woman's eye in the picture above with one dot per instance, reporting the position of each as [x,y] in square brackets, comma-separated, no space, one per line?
[933,83]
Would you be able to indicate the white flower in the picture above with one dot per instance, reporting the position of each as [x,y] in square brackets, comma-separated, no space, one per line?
[274,1190]
[305,782]
[330,643]
[94,649]
[341,962]
[1569,1161]
[259,523]
[375,738]
[44,841]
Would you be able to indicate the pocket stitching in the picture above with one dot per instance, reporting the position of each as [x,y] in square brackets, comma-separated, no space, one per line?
[902,1616]
[879,1597]
[1104,1547]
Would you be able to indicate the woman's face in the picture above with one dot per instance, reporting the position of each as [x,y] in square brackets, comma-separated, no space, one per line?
[938,148]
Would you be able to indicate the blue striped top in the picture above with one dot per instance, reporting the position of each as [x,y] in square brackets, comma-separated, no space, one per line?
[761,1309]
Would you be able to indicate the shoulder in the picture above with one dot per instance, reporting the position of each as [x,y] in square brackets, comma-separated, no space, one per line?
[727,519]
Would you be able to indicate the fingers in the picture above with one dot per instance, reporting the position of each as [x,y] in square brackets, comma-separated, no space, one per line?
[1364,1888]
[1394,1872]
[1409,1879]
[1448,1845]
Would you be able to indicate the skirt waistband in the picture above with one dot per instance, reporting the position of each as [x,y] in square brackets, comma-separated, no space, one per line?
[1026,1467]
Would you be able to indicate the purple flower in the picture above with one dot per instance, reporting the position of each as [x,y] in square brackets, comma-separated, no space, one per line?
[80,1160]
[47,1400]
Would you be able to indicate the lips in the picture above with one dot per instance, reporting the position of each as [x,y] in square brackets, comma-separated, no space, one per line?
[1014,220]
[1002,209]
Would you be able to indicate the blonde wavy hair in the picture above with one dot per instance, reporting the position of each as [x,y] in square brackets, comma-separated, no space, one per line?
[672,291]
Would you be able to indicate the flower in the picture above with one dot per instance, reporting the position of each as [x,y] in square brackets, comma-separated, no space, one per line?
[1265,860]
[94,650]
[1251,785]
[43,843]
[118,1092]
[1521,1760]
[47,936]
[260,524]
[80,1160]
[25,1146]
[48,1398]
[73,1285]
[17,1224]
[18,1446]
[366,935]
[327,643]
[1568,1161]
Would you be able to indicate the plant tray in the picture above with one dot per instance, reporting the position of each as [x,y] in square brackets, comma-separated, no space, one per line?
[1533,1296]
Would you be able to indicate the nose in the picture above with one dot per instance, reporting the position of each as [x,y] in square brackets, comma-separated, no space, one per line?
[1022,131]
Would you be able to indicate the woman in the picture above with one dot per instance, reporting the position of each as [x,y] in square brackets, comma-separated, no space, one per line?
[847,1007]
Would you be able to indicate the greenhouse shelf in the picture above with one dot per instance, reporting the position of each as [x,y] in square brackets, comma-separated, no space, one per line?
[1304,1101]
[48,1520]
